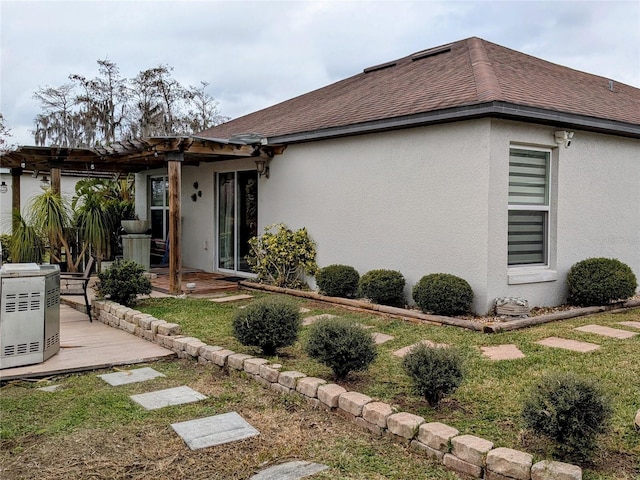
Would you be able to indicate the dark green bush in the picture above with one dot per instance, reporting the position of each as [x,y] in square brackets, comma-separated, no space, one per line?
[341,345]
[599,281]
[443,294]
[385,287]
[268,323]
[435,371]
[568,409]
[123,282]
[338,281]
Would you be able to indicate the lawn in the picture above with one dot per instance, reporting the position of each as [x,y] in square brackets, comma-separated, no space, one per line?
[489,402]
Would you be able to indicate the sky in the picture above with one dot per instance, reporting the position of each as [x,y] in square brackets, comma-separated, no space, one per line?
[255,54]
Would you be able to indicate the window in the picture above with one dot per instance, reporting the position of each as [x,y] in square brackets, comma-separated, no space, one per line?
[159,206]
[529,200]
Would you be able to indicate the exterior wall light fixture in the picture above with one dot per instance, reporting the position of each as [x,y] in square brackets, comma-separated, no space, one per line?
[44,182]
[563,137]
[262,168]
[3,187]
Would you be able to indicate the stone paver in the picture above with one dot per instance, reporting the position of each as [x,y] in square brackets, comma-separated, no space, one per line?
[510,463]
[231,298]
[50,388]
[471,449]
[404,350]
[551,470]
[304,310]
[404,424]
[630,324]
[352,402]
[502,352]
[607,331]
[166,398]
[330,394]
[130,376]
[437,435]
[216,430]
[311,320]
[290,471]
[567,344]
[380,338]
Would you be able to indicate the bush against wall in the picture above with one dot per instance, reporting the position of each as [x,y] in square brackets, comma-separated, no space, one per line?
[570,410]
[268,323]
[443,294]
[282,257]
[385,287]
[341,345]
[599,281]
[338,281]
[435,371]
[123,282]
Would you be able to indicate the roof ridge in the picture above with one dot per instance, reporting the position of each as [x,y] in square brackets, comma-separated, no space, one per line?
[487,84]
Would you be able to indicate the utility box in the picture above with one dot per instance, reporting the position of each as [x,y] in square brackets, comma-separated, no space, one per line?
[29,313]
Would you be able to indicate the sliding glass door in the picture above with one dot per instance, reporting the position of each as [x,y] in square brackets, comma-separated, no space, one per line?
[237,218]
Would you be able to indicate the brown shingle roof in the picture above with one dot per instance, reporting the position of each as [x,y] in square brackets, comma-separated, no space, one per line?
[465,73]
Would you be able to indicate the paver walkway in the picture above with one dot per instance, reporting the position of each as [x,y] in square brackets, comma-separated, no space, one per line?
[216,430]
[630,324]
[167,398]
[311,320]
[290,471]
[130,376]
[231,298]
[380,338]
[502,352]
[607,331]
[405,350]
[567,344]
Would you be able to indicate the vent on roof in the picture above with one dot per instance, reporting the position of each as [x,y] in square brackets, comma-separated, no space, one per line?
[382,66]
[431,52]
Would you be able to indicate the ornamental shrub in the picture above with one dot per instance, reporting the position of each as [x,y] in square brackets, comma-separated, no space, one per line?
[435,371]
[568,409]
[281,258]
[385,287]
[443,294]
[5,247]
[338,281]
[598,281]
[123,282]
[268,323]
[341,345]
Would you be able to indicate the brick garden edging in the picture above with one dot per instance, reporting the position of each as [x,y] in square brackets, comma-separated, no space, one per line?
[468,455]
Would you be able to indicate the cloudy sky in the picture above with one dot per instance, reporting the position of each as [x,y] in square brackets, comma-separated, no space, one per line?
[254,54]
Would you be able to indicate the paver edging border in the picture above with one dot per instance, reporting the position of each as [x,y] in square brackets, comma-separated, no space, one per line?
[114,315]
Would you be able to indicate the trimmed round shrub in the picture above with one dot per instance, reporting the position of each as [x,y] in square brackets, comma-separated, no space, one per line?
[341,345]
[338,281]
[568,409]
[599,281]
[435,371]
[443,294]
[268,323]
[385,287]
[123,282]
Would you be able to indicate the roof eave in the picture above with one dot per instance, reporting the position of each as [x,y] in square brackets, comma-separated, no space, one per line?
[490,109]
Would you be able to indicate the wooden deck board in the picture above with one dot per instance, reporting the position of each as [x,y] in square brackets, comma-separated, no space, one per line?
[89,346]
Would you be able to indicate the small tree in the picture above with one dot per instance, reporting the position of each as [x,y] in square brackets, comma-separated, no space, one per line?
[281,258]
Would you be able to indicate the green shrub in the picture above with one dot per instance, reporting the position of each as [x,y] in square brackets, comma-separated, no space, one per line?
[268,323]
[385,287]
[338,281]
[435,371]
[123,282]
[281,258]
[598,281]
[443,294]
[568,409]
[5,246]
[341,345]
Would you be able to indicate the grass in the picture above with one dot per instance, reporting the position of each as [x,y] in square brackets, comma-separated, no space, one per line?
[489,401]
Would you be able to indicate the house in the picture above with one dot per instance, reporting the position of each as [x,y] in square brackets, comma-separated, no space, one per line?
[468,158]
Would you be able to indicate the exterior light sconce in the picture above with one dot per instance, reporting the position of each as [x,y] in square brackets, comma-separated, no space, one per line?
[23,164]
[44,182]
[92,166]
[262,168]
[563,137]
[3,187]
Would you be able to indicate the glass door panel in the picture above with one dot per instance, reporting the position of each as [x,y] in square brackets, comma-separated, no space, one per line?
[247,216]
[226,221]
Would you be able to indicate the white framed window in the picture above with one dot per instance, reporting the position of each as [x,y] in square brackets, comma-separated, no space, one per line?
[159,206]
[529,206]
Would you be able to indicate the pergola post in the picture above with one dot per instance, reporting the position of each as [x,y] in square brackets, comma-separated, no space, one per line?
[55,180]
[16,173]
[174,167]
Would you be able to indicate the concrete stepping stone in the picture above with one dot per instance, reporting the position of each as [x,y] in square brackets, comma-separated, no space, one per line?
[311,320]
[607,331]
[231,298]
[566,344]
[502,352]
[166,398]
[216,430]
[131,376]
[290,471]
[50,388]
[304,310]
[630,324]
[380,338]
[404,350]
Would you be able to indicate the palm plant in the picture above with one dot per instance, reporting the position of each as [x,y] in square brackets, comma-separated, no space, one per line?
[26,244]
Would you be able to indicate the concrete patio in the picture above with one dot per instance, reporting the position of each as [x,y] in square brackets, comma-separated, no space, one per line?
[89,346]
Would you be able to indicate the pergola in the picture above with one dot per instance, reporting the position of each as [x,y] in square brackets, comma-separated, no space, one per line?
[133,156]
